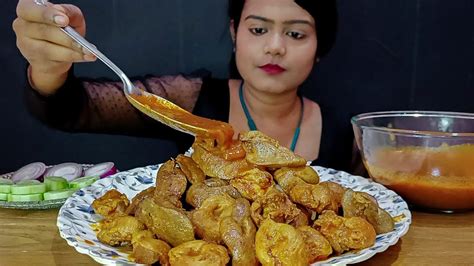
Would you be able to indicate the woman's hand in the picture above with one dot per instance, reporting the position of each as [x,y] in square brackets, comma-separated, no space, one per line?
[49,51]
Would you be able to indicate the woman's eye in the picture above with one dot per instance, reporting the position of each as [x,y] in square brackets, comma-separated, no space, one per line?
[258,31]
[296,35]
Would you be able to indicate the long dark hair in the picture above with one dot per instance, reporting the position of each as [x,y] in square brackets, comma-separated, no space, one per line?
[324,13]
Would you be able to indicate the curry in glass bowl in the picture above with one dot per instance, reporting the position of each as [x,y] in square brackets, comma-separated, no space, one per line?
[426,157]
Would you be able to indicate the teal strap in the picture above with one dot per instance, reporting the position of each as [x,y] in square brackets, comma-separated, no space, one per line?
[298,128]
[252,125]
[250,121]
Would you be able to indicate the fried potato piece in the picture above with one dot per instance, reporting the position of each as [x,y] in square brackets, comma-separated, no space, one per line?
[317,245]
[343,233]
[198,253]
[214,166]
[147,250]
[275,205]
[264,151]
[207,218]
[280,244]
[253,183]
[191,170]
[111,203]
[118,230]
[168,224]
[361,204]
[198,192]
[170,183]
[238,233]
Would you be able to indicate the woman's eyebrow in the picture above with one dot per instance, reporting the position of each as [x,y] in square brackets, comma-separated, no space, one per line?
[287,22]
[298,21]
[259,18]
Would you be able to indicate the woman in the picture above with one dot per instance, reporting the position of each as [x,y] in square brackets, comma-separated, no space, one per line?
[277,42]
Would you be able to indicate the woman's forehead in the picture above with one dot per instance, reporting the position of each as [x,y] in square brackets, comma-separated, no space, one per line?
[275,9]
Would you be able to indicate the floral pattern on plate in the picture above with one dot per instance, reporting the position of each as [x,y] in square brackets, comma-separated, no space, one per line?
[76,218]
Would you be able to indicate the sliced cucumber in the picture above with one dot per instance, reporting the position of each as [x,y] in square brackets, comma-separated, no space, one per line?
[5,185]
[54,183]
[4,196]
[28,182]
[83,182]
[30,197]
[58,194]
[28,187]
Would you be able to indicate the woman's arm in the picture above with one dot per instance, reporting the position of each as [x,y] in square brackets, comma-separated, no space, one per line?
[99,105]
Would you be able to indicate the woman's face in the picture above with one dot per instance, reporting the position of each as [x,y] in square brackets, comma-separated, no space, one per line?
[275,45]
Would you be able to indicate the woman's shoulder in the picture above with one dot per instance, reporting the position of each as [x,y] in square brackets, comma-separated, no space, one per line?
[312,109]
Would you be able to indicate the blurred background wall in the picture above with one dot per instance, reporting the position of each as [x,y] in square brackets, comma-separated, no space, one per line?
[389,55]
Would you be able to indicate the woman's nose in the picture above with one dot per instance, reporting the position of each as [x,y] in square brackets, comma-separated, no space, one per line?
[275,45]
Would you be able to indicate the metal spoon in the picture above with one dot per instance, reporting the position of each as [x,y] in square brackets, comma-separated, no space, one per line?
[155,106]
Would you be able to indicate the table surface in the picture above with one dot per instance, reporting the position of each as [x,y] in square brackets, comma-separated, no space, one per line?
[32,238]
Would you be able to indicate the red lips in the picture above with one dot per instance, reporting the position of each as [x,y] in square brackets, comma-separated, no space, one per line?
[272,69]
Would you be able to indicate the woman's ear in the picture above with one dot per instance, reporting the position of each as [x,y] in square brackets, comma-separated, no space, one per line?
[232,31]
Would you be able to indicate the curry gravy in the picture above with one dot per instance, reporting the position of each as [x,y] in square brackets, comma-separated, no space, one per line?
[439,178]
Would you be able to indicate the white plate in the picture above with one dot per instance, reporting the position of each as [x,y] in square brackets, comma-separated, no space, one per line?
[76,215]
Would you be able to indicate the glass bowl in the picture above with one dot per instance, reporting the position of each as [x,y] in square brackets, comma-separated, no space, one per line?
[426,157]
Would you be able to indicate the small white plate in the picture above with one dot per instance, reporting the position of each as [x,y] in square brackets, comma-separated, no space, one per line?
[34,205]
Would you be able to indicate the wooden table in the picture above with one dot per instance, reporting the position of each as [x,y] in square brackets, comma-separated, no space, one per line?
[32,238]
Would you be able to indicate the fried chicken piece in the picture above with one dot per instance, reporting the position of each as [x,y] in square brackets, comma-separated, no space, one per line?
[198,192]
[336,190]
[238,234]
[361,204]
[198,253]
[118,230]
[253,183]
[264,151]
[207,218]
[147,193]
[315,197]
[168,224]
[302,219]
[191,170]
[280,244]
[317,245]
[275,205]
[148,250]
[233,150]
[343,233]
[289,177]
[215,166]
[170,183]
[111,203]
[305,173]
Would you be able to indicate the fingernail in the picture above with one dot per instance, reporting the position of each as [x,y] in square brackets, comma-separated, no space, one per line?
[85,51]
[59,20]
[89,57]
